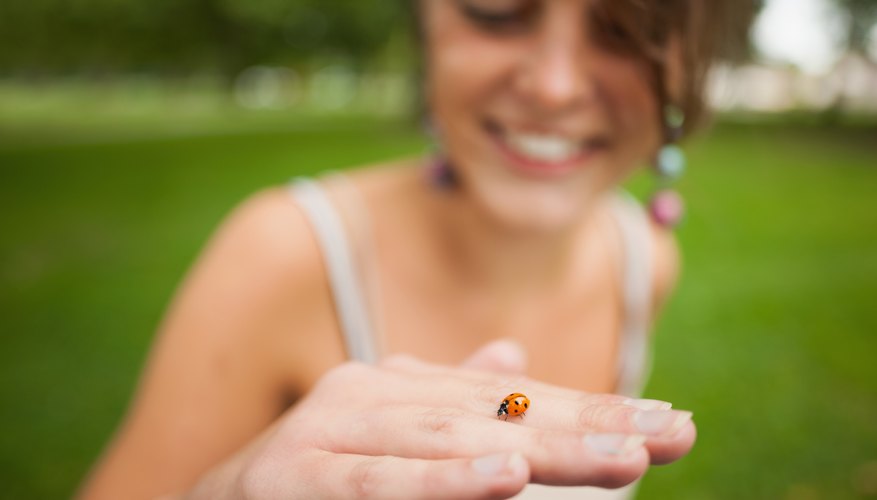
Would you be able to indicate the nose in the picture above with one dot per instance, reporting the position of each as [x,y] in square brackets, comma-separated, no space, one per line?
[556,75]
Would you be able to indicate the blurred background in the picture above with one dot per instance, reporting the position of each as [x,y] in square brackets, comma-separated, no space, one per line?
[128,129]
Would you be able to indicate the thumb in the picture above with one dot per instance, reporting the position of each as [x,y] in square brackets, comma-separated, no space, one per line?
[502,356]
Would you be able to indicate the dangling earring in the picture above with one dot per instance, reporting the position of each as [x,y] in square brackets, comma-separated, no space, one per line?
[666,206]
[439,171]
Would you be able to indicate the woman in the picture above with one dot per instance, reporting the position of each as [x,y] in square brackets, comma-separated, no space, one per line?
[515,231]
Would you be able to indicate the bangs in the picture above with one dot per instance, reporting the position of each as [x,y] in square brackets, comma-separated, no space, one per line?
[631,27]
[678,39]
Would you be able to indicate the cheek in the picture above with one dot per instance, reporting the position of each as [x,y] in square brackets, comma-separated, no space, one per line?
[634,112]
[453,83]
[456,86]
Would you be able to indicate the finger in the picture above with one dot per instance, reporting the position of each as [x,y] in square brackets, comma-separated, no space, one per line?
[499,356]
[666,450]
[500,383]
[670,433]
[481,394]
[509,382]
[600,416]
[388,477]
[555,457]
[552,407]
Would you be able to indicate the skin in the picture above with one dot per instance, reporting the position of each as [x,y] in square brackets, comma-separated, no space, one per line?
[539,73]
[247,393]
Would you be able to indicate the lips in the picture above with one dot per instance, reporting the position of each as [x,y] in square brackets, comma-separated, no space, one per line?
[546,152]
[543,148]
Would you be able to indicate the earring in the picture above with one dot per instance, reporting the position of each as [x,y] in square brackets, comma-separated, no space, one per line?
[439,171]
[666,206]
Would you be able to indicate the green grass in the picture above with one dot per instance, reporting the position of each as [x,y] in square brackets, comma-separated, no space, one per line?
[770,339]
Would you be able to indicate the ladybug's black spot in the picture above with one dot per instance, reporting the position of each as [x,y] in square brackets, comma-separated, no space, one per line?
[525,405]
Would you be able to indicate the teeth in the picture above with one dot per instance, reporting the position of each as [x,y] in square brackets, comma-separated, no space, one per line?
[550,148]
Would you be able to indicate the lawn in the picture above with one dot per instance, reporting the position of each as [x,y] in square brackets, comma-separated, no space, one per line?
[770,339]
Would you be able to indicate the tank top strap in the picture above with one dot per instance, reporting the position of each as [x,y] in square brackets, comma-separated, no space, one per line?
[344,278]
[357,326]
[634,354]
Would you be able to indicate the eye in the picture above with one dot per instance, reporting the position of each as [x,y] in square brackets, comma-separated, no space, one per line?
[500,17]
[610,32]
[623,28]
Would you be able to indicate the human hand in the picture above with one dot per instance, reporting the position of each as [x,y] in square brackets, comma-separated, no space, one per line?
[410,429]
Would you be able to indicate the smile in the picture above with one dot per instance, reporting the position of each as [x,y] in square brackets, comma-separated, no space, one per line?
[544,148]
[545,153]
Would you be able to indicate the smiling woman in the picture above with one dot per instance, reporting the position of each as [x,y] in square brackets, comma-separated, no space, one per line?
[546,119]
[256,386]
[555,86]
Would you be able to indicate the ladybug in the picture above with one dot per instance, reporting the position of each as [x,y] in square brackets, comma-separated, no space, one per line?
[514,404]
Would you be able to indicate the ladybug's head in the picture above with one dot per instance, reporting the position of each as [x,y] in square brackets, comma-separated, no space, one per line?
[503,409]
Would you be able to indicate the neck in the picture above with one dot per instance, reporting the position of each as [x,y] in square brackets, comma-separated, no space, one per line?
[510,261]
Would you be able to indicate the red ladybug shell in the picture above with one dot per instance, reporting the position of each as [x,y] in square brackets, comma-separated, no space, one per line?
[514,404]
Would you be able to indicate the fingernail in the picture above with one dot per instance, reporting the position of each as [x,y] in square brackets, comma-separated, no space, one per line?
[491,465]
[661,422]
[648,404]
[614,444]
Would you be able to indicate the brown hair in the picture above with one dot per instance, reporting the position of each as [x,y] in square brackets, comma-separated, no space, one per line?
[679,39]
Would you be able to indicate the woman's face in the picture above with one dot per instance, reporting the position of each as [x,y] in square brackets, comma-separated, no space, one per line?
[536,117]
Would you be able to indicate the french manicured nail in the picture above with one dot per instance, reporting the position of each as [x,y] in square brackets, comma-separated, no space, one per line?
[614,444]
[492,465]
[648,404]
[661,422]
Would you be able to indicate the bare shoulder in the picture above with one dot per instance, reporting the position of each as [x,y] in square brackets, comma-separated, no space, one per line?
[263,256]
[264,265]
[667,264]
[267,234]
[224,363]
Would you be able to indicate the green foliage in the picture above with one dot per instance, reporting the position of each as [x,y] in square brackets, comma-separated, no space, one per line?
[99,37]
[95,37]
[861,18]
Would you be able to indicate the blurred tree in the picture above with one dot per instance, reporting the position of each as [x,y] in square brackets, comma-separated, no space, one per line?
[861,19]
[50,37]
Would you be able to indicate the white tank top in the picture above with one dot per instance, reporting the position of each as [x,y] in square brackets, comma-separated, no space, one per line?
[345,271]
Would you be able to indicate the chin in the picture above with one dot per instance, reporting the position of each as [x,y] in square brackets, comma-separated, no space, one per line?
[536,210]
